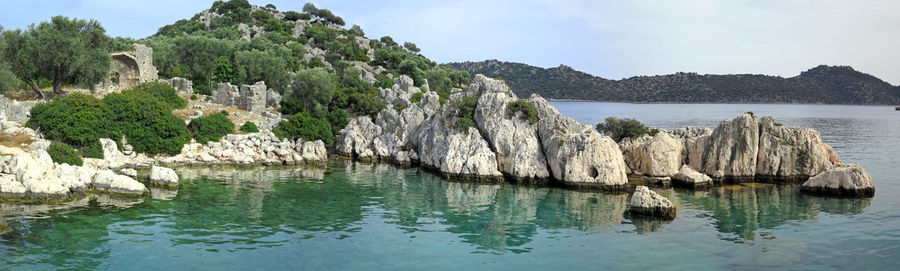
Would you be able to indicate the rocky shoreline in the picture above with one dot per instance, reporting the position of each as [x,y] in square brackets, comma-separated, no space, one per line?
[559,150]
[417,128]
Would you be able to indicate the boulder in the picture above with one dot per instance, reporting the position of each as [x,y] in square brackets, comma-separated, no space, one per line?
[792,152]
[732,148]
[514,140]
[648,203]
[107,181]
[849,180]
[576,153]
[688,177]
[657,156]
[111,153]
[130,172]
[162,176]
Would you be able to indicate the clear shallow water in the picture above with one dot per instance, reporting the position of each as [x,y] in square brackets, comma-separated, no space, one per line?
[360,216]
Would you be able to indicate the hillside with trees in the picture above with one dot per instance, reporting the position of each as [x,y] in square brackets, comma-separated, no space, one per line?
[819,85]
[327,72]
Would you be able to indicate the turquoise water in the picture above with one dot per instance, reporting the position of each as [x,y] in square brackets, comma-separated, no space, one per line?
[358,216]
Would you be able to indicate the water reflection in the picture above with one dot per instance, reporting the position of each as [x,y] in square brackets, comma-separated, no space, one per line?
[223,209]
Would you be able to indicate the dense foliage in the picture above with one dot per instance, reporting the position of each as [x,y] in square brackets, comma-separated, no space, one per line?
[249,127]
[465,114]
[211,127]
[305,126]
[63,50]
[146,122]
[621,128]
[76,119]
[62,153]
[525,110]
[162,92]
[822,84]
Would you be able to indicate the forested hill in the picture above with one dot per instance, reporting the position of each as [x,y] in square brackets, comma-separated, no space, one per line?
[822,85]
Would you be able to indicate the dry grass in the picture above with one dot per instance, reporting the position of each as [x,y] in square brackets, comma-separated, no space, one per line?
[15,140]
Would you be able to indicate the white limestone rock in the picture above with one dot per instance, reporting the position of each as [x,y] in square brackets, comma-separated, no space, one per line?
[107,181]
[689,177]
[647,202]
[657,156]
[514,140]
[792,152]
[849,180]
[163,176]
[111,153]
[576,153]
[731,148]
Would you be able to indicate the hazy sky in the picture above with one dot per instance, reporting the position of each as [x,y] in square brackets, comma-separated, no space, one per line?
[613,39]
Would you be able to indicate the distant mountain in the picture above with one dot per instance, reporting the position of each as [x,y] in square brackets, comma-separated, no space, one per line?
[819,85]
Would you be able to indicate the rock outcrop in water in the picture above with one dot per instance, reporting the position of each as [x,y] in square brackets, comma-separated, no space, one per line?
[500,145]
[647,202]
[739,149]
[845,180]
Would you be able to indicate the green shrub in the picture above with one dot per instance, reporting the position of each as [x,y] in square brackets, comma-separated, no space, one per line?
[147,123]
[465,114]
[211,127]
[621,128]
[64,154]
[399,107]
[193,97]
[367,103]
[416,97]
[528,112]
[162,92]
[249,127]
[92,149]
[337,118]
[76,119]
[305,126]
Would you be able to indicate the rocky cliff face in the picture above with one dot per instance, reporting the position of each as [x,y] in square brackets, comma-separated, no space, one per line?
[499,145]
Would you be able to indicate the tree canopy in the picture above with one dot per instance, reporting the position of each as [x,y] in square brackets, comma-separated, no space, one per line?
[63,50]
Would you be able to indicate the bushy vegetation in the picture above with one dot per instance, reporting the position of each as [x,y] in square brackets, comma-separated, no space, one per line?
[76,119]
[305,126]
[525,110]
[465,114]
[162,92]
[211,127]
[621,128]
[146,122]
[62,153]
[249,127]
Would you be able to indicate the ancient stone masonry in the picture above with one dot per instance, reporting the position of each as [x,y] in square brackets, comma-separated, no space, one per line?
[253,98]
[130,68]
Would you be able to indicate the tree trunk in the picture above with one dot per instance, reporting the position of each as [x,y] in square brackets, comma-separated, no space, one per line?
[57,88]
[36,88]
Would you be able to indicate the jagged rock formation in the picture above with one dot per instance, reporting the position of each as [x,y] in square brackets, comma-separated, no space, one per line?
[845,180]
[576,153]
[730,151]
[792,151]
[647,202]
[822,84]
[501,145]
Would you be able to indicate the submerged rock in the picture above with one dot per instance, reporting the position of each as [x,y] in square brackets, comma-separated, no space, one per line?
[647,202]
[163,176]
[576,153]
[107,181]
[688,177]
[845,180]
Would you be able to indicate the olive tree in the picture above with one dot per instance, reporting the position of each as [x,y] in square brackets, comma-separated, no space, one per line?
[310,88]
[63,50]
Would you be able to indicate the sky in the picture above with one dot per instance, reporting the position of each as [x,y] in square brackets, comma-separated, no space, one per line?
[611,39]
